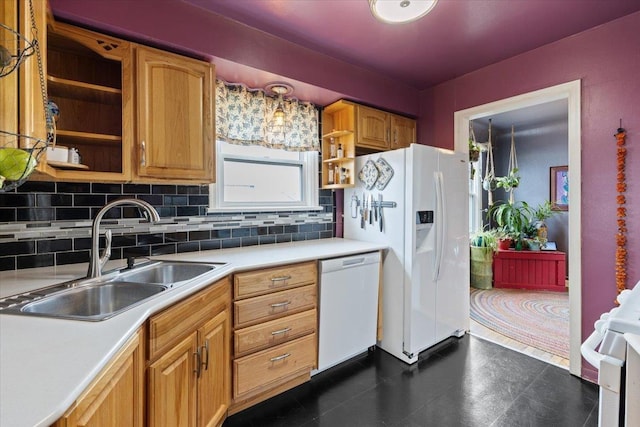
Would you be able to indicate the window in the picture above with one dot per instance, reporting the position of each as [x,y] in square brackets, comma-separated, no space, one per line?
[256,178]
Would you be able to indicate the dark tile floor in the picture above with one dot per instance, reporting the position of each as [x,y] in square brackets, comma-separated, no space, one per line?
[461,382]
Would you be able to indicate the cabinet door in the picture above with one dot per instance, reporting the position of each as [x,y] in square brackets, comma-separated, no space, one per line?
[214,385]
[175,117]
[116,397]
[89,78]
[172,386]
[403,131]
[373,128]
[9,83]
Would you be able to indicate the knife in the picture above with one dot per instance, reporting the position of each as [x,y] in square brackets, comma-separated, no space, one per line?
[371,208]
[380,210]
[376,210]
[362,211]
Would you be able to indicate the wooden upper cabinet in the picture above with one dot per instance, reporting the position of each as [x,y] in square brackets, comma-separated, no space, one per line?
[373,128]
[89,79]
[21,98]
[9,83]
[175,120]
[403,132]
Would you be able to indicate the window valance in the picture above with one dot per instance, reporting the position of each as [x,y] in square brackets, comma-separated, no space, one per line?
[243,117]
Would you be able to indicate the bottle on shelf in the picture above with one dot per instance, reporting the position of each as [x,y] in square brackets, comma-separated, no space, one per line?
[340,152]
[344,175]
[332,148]
[330,174]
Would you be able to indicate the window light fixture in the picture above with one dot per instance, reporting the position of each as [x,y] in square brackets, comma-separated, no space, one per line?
[400,11]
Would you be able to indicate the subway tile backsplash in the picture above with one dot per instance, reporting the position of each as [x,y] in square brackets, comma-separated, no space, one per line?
[47,223]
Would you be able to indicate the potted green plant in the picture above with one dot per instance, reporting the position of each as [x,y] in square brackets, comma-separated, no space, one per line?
[535,243]
[512,218]
[505,239]
[541,213]
[483,245]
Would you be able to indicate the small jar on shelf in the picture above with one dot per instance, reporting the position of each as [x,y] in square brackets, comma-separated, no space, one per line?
[332,148]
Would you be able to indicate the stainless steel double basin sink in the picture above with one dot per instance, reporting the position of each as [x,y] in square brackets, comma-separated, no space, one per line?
[103,297]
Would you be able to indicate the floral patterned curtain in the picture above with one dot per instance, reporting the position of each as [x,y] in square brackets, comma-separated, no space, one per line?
[243,116]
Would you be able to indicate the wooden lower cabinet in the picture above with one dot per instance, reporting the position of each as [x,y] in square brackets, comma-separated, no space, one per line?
[172,386]
[214,386]
[275,324]
[116,396]
[189,384]
[256,372]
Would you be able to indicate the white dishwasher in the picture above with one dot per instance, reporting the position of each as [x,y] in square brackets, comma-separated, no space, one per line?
[348,307]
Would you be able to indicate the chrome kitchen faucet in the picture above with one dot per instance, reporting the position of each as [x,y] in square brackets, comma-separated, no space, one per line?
[98,261]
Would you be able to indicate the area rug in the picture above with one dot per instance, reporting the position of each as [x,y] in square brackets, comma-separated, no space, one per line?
[536,318]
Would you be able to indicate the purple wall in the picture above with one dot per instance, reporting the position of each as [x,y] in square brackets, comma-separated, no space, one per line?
[607,60]
[241,53]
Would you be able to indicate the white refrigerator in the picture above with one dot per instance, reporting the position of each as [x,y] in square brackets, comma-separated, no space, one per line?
[416,201]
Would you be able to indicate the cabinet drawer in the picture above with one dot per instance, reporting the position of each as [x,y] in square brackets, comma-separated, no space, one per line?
[259,282]
[171,325]
[275,332]
[256,372]
[273,306]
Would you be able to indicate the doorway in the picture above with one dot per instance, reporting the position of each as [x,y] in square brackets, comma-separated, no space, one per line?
[571,93]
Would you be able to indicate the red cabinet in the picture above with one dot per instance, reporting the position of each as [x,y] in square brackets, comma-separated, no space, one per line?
[544,270]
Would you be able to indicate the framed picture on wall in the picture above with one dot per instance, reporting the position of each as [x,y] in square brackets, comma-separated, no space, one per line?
[559,188]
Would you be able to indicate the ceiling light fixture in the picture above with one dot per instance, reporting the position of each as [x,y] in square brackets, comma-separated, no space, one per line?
[278,122]
[400,11]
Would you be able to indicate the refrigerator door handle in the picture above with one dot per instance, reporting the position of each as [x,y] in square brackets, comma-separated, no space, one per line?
[441,226]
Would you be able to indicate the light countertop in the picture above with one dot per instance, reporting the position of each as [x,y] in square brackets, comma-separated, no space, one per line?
[46,363]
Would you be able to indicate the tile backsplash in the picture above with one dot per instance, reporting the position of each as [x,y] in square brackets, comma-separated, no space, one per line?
[49,223]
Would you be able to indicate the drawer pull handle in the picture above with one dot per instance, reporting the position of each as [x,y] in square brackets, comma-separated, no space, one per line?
[280,304]
[277,280]
[281,331]
[281,357]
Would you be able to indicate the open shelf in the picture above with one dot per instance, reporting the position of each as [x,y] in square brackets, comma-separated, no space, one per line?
[337,133]
[339,160]
[87,137]
[83,91]
[338,126]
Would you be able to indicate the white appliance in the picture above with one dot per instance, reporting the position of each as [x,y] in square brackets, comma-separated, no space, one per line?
[610,359]
[348,307]
[425,297]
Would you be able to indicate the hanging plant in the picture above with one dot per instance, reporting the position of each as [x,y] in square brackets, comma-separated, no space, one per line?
[474,151]
[509,182]
[621,213]
[489,180]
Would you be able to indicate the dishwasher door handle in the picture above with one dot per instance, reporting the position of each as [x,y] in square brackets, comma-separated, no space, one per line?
[352,261]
